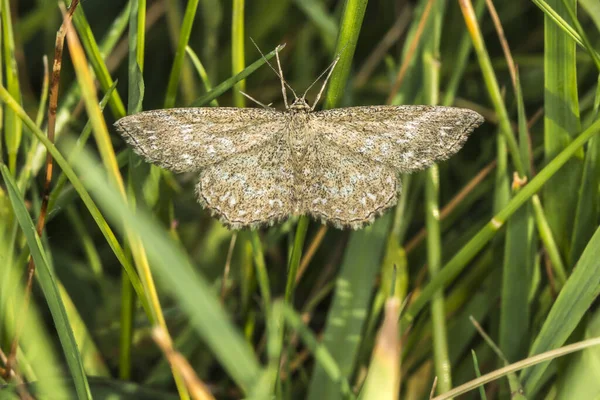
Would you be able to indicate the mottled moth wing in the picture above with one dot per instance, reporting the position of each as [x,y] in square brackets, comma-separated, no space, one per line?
[408,138]
[252,188]
[346,189]
[189,139]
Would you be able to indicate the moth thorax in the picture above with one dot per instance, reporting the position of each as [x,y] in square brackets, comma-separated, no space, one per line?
[299,106]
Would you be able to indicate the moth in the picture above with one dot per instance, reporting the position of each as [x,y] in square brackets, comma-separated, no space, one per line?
[258,166]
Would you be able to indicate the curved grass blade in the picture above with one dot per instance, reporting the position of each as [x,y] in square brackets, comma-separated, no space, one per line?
[49,287]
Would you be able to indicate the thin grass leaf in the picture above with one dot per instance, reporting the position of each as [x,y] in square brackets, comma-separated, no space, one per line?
[49,287]
[554,11]
[81,142]
[431,83]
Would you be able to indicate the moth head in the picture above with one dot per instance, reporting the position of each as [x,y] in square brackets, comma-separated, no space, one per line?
[299,105]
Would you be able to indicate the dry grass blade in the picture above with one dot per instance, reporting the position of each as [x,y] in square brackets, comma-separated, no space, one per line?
[52,107]
[198,390]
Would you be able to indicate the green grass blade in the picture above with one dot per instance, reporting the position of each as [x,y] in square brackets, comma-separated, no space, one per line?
[49,287]
[352,18]
[184,37]
[189,289]
[81,142]
[226,85]
[431,87]
[574,300]
[561,121]
[588,209]
[12,125]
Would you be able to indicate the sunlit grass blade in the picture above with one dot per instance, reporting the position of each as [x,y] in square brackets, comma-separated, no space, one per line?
[81,142]
[191,291]
[238,62]
[49,287]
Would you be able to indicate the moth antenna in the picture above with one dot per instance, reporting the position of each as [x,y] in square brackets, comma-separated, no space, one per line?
[268,106]
[280,73]
[329,71]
